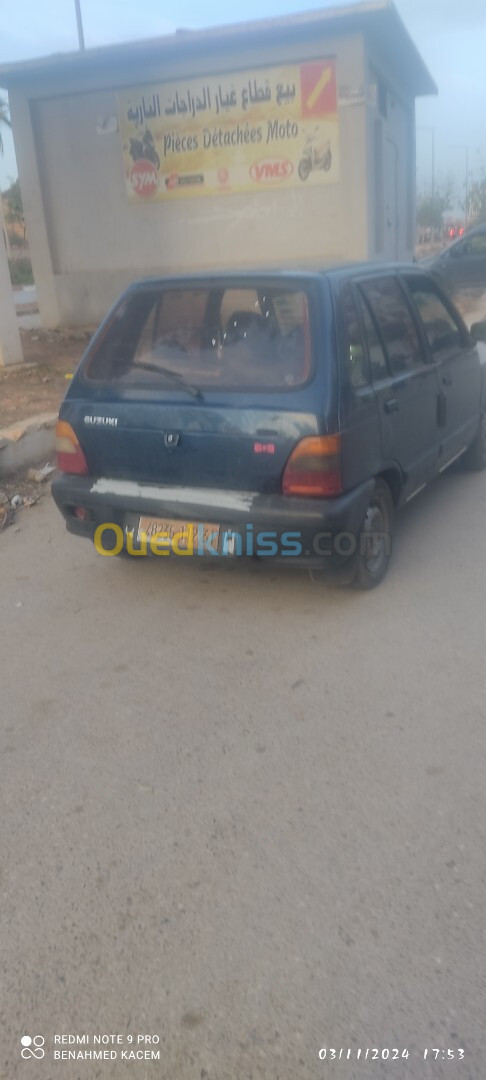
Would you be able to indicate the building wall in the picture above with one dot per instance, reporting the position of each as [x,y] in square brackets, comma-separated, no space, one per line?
[391,164]
[87,241]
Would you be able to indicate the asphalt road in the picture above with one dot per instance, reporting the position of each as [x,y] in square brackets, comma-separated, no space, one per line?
[242,813]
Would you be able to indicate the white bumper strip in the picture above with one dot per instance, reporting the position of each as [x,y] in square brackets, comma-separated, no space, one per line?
[202,497]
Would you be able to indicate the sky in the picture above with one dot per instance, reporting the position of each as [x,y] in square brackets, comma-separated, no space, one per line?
[450,35]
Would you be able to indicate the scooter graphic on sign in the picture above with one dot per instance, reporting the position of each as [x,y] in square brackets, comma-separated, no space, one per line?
[315,155]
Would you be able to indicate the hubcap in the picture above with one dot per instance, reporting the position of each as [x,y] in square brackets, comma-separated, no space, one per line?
[373,538]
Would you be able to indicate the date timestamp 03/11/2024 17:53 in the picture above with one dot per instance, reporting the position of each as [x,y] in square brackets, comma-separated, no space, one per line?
[389,1054]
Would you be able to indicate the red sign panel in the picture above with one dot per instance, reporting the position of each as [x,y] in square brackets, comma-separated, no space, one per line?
[318,88]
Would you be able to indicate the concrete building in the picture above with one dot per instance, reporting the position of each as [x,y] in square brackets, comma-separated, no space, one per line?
[284,141]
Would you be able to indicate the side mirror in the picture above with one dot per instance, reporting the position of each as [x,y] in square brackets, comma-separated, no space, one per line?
[478,331]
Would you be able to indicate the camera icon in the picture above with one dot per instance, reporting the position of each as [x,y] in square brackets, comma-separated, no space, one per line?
[32,1047]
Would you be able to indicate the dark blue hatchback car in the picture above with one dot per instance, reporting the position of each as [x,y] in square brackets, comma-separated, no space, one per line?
[269,415]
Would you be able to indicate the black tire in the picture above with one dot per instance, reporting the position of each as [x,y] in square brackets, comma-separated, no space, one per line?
[475,457]
[304,168]
[328,161]
[374,541]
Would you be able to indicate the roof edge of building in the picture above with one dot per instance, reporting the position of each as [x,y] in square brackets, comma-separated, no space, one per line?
[362,16]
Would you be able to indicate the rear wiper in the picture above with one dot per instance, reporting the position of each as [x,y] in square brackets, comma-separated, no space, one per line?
[177,379]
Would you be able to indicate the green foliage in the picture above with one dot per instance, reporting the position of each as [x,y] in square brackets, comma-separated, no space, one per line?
[477,201]
[431,208]
[4,120]
[21,271]
[15,212]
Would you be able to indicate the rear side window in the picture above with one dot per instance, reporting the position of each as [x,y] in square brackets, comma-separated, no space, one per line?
[476,245]
[395,323]
[356,359]
[378,364]
[210,338]
[442,330]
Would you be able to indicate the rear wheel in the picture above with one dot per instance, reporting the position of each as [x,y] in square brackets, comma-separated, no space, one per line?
[475,457]
[374,548]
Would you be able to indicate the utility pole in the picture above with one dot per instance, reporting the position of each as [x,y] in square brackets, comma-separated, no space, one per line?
[79,21]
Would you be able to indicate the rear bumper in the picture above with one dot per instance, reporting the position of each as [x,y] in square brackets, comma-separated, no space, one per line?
[319,534]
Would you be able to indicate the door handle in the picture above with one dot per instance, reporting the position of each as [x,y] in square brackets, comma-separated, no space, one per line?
[391,405]
[447,380]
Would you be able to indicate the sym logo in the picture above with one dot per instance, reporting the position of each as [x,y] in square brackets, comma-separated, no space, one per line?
[269,170]
[144,178]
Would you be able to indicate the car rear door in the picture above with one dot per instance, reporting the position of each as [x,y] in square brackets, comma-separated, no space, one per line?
[457,363]
[405,381]
[203,394]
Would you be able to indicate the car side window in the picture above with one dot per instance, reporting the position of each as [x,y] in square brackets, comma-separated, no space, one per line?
[476,245]
[378,364]
[355,353]
[395,322]
[442,330]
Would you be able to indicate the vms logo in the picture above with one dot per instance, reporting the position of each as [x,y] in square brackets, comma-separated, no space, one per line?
[271,170]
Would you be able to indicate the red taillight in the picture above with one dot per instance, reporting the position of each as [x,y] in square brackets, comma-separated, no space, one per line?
[314,467]
[70,457]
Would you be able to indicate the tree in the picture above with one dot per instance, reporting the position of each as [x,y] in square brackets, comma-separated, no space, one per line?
[431,208]
[15,209]
[4,120]
[476,208]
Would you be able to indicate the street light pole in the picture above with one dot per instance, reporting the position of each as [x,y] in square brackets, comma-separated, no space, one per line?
[79,21]
[467,184]
[433,163]
[431,131]
[466,208]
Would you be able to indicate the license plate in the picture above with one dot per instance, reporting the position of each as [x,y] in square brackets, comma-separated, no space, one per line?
[187,533]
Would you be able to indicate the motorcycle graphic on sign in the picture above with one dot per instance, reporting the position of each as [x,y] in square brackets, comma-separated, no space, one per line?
[144,147]
[316,155]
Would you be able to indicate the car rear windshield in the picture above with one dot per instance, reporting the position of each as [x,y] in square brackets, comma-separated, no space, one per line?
[208,338]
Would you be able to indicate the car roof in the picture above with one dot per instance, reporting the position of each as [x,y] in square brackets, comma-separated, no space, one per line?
[477,230]
[346,271]
[337,273]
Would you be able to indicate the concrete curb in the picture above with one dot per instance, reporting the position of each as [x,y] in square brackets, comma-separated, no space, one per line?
[27,442]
